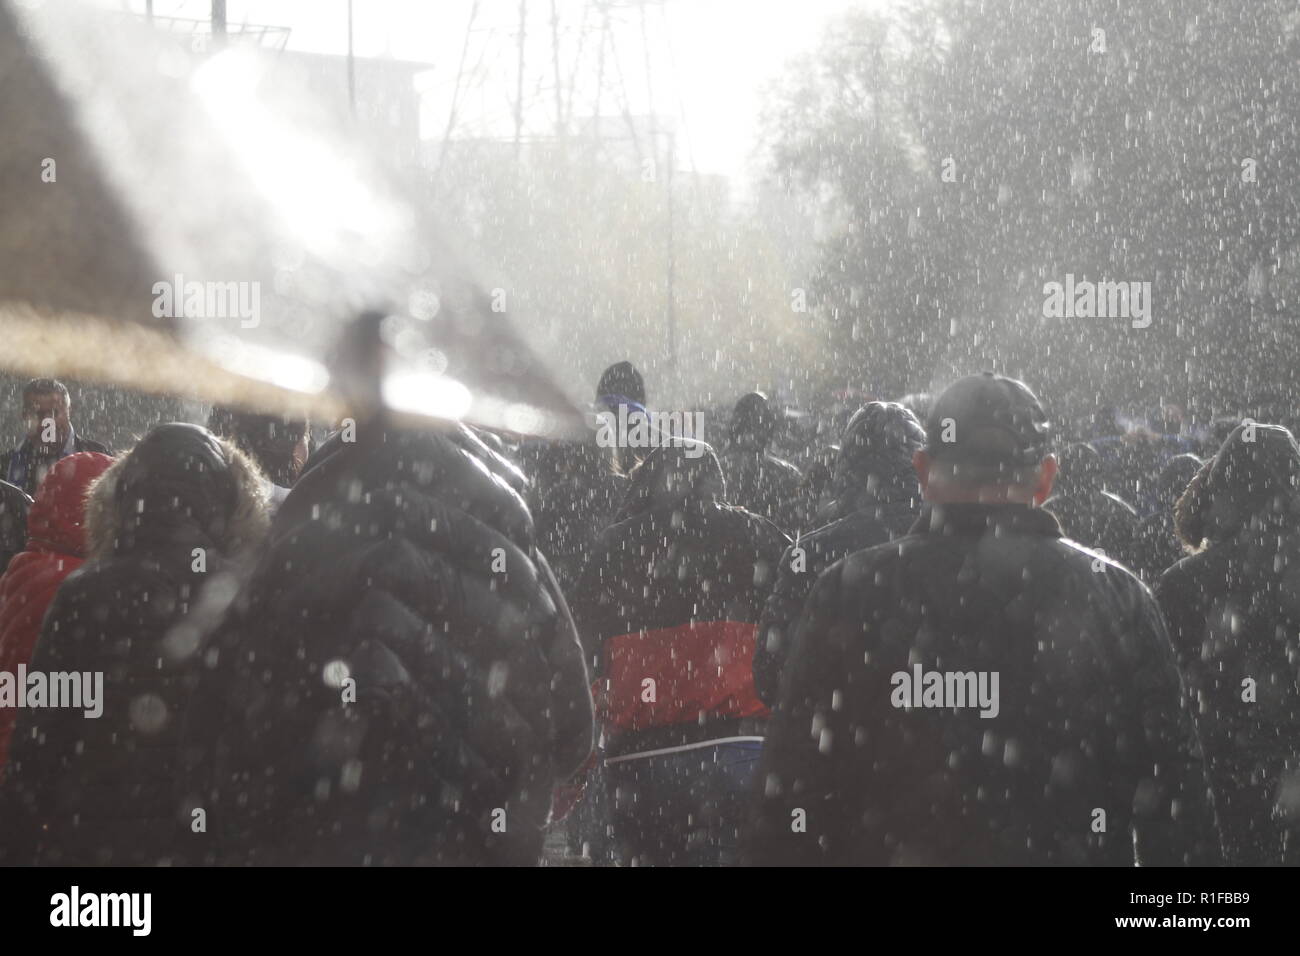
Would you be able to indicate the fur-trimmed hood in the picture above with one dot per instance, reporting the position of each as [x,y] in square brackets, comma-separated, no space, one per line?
[180,484]
[1254,477]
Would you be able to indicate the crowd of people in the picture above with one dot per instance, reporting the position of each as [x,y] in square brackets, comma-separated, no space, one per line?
[942,634]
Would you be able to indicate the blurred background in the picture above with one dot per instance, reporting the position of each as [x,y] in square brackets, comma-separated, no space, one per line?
[821,198]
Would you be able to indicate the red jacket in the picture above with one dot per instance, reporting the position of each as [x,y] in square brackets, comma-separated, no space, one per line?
[56,544]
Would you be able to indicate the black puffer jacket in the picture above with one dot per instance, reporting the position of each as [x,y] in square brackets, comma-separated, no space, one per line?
[874,498]
[672,592]
[169,529]
[1234,616]
[1088,713]
[401,683]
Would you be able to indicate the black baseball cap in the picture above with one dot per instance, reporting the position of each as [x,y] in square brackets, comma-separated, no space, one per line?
[990,420]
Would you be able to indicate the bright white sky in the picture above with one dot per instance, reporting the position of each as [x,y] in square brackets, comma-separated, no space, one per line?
[722,51]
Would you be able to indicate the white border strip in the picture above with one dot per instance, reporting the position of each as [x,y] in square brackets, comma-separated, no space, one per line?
[674,750]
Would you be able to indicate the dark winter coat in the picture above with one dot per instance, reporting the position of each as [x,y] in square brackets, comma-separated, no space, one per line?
[167,528]
[56,546]
[1089,719]
[672,593]
[874,498]
[764,484]
[14,505]
[1234,615]
[401,682]
[796,576]
[574,495]
[30,477]
[1097,519]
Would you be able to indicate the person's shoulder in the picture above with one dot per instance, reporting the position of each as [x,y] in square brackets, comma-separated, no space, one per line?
[89,444]
[736,523]
[856,531]
[1187,573]
[1094,561]
[786,468]
[870,563]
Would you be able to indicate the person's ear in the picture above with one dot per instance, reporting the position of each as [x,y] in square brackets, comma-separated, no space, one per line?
[921,462]
[1046,476]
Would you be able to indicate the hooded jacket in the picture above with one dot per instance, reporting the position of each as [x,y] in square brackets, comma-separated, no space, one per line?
[168,527]
[1234,615]
[56,546]
[757,480]
[874,498]
[671,593]
[401,682]
[1057,697]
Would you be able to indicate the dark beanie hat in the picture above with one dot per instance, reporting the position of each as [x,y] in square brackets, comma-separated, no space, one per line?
[623,380]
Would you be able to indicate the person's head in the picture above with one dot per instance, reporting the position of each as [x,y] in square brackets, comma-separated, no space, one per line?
[181,487]
[753,422]
[683,474]
[876,452]
[278,444]
[1174,478]
[47,411]
[986,441]
[622,383]
[1254,474]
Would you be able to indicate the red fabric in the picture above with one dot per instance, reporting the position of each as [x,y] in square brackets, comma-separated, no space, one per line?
[56,542]
[697,669]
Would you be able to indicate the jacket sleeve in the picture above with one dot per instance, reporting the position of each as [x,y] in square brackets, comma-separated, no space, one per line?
[777,624]
[796,812]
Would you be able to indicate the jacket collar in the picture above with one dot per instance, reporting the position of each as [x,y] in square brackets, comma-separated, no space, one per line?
[978,519]
[69,446]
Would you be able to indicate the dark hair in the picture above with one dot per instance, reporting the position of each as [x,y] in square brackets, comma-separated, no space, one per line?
[44,386]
